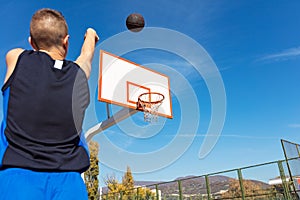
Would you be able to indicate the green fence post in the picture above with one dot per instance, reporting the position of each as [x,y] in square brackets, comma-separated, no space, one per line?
[241,183]
[207,187]
[121,195]
[137,193]
[179,190]
[157,194]
[285,185]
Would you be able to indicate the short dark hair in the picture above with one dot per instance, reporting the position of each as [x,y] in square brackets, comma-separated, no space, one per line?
[48,28]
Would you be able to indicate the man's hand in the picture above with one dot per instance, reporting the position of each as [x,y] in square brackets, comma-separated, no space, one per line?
[90,32]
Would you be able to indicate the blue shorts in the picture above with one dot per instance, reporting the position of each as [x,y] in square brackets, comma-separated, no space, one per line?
[22,184]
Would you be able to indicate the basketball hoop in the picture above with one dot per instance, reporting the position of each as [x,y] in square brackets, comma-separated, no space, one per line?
[149,103]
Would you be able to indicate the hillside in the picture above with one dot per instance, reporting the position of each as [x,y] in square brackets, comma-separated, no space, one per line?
[192,185]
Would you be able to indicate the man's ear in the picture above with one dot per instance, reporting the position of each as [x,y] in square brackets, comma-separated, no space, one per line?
[32,43]
[66,44]
[66,41]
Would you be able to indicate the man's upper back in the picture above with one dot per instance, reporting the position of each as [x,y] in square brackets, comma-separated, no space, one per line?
[45,109]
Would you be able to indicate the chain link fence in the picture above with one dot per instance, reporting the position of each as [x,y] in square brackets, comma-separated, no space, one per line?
[278,180]
[292,156]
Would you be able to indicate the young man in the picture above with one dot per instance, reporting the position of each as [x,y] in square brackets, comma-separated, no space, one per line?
[42,147]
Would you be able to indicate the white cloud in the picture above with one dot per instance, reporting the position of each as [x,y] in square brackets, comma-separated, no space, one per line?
[294,125]
[285,54]
[225,135]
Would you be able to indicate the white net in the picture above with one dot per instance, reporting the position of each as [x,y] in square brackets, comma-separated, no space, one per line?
[150,103]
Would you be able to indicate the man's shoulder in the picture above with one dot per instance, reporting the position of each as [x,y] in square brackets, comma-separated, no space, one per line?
[14,54]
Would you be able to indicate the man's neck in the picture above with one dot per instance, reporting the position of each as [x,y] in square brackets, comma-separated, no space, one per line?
[54,53]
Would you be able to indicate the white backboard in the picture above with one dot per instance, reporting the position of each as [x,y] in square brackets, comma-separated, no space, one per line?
[122,81]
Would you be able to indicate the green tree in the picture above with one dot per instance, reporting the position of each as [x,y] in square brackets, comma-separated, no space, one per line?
[146,194]
[126,189]
[91,175]
[127,181]
[127,185]
[114,188]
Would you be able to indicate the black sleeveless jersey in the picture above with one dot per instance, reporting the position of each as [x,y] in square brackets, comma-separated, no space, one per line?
[44,102]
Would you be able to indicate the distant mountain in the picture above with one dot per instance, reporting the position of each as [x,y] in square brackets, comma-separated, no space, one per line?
[195,185]
[192,185]
[145,183]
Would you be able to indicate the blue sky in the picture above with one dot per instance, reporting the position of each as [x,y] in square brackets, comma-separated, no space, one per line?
[255,46]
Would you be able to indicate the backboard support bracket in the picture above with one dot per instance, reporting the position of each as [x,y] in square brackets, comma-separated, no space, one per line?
[116,118]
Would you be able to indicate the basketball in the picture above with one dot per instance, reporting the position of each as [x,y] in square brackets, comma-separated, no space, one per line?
[135,22]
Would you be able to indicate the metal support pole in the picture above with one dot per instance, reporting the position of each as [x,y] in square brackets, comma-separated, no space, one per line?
[207,187]
[121,195]
[157,194]
[241,183]
[107,110]
[285,185]
[179,190]
[137,193]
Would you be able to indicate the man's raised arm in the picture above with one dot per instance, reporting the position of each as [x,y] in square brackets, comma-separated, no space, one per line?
[87,51]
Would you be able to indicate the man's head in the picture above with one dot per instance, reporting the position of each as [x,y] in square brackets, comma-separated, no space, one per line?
[48,29]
